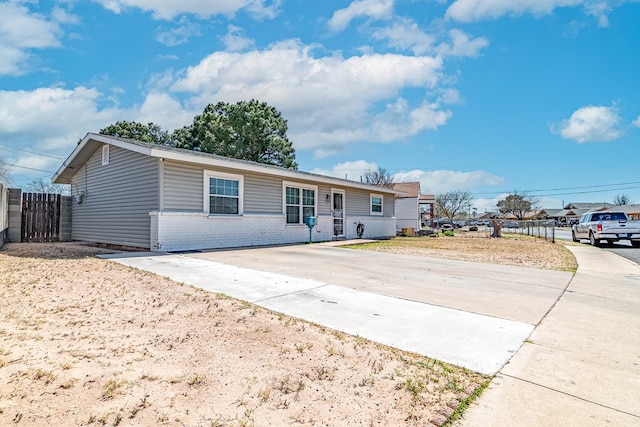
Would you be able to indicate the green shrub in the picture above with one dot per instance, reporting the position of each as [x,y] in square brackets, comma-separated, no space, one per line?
[448,233]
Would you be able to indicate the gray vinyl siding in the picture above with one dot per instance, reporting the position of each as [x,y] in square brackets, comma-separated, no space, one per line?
[262,194]
[183,189]
[118,198]
[324,205]
[359,203]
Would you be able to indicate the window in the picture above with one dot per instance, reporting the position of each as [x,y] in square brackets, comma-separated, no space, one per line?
[376,204]
[300,202]
[223,193]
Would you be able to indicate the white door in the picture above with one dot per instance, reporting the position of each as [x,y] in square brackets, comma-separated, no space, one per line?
[337,210]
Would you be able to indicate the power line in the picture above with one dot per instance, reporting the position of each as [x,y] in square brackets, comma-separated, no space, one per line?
[24,167]
[586,192]
[31,152]
[595,189]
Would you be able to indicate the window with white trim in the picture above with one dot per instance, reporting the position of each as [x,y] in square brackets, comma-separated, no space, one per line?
[377,201]
[223,193]
[300,202]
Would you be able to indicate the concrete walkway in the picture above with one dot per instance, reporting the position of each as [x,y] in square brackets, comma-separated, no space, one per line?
[581,366]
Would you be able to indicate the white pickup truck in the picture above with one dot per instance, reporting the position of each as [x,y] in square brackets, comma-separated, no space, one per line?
[606,225]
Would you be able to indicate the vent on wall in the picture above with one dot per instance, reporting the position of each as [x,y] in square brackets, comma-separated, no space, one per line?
[105,155]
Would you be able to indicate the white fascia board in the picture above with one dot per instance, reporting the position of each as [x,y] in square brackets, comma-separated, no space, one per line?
[95,137]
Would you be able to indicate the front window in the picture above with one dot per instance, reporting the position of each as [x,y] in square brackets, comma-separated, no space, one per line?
[376,204]
[300,203]
[223,194]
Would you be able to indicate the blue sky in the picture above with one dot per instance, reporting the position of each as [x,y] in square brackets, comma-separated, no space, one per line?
[485,96]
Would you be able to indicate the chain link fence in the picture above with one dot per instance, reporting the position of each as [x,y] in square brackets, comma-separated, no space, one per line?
[545,229]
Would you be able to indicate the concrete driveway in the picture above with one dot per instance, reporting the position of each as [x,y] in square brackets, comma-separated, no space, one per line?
[470,314]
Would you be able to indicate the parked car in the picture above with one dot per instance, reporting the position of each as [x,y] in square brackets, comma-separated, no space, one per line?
[611,226]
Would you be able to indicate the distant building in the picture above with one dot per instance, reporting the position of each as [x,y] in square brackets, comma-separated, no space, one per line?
[412,209]
[572,212]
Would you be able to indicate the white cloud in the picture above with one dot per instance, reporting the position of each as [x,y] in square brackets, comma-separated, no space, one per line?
[51,118]
[168,9]
[329,101]
[590,124]
[463,45]
[63,17]
[20,31]
[179,35]
[50,121]
[477,10]
[348,170]
[399,121]
[235,41]
[163,110]
[442,181]
[599,11]
[636,122]
[404,34]
[373,9]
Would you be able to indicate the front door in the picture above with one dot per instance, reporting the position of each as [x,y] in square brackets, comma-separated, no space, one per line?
[337,210]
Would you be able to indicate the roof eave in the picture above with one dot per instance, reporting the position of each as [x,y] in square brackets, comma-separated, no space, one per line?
[93,141]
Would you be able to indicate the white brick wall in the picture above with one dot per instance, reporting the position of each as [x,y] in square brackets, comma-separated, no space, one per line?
[179,231]
[374,227]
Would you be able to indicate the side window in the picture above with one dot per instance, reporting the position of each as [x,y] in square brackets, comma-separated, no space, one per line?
[223,193]
[377,201]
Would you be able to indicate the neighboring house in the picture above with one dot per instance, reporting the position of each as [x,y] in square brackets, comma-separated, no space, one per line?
[168,199]
[573,211]
[411,207]
[407,205]
[632,211]
[427,209]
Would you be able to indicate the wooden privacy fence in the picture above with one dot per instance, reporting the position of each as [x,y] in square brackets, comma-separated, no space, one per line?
[40,217]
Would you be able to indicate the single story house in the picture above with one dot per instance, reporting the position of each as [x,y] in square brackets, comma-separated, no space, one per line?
[168,199]
[571,212]
[412,208]
[407,205]
[632,211]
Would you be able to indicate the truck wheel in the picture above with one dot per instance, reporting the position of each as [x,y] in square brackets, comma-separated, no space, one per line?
[593,240]
[573,236]
[635,243]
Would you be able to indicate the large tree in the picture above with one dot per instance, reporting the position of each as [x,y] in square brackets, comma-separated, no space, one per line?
[248,130]
[140,132]
[379,176]
[453,204]
[518,204]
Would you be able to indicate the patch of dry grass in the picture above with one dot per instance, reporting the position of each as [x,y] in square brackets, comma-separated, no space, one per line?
[511,249]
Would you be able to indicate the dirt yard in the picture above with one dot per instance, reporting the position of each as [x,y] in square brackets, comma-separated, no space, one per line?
[84,341]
